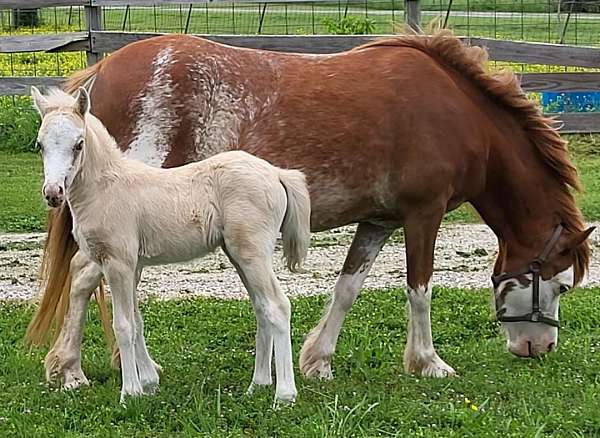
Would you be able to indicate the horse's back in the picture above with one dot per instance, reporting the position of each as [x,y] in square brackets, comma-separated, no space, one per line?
[367,127]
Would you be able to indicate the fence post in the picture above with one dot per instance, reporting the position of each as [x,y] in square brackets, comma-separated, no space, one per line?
[93,19]
[412,14]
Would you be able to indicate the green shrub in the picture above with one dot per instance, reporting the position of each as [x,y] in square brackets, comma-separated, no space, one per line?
[19,124]
[349,26]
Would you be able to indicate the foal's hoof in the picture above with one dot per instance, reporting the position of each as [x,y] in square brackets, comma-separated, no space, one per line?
[254,387]
[149,380]
[284,400]
[130,394]
[74,380]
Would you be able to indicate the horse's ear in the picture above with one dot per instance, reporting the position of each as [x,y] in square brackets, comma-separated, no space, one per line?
[573,240]
[39,101]
[82,101]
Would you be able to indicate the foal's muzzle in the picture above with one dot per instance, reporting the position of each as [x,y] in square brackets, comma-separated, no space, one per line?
[54,195]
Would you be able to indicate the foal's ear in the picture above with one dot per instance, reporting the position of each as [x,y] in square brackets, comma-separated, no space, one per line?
[39,101]
[82,101]
[573,240]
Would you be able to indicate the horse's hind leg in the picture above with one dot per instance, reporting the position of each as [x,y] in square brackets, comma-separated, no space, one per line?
[315,357]
[420,356]
[65,357]
[147,368]
[273,313]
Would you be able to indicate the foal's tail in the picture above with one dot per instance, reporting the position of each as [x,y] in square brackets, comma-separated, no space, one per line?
[295,229]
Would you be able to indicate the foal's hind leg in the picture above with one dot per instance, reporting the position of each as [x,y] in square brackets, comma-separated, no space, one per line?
[420,356]
[273,312]
[65,357]
[264,338]
[315,357]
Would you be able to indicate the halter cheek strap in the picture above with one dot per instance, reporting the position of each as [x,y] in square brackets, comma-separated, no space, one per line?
[534,268]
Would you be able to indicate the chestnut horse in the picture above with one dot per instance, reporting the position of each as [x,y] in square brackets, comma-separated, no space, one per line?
[391,134]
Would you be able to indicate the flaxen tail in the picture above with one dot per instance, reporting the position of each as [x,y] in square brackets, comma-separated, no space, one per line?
[55,279]
[295,229]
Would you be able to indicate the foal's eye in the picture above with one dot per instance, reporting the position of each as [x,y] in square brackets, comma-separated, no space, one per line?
[563,288]
[79,145]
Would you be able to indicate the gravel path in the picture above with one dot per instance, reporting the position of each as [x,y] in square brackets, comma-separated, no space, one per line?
[464,258]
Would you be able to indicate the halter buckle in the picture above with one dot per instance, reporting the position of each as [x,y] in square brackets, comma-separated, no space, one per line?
[536,316]
[535,266]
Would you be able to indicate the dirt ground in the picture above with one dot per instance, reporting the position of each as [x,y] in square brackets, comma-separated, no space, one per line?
[464,258]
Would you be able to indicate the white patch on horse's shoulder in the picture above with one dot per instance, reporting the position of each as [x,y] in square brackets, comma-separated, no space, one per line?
[156,119]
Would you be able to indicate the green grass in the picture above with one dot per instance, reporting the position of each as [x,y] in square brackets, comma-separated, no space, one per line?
[205,347]
[21,205]
[23,209]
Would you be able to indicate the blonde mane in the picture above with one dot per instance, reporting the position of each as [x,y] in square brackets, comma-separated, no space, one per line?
[504,88]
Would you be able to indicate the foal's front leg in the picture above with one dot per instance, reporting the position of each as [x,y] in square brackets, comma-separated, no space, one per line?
[420,356]
[147,368]
[121,278]
[64,359]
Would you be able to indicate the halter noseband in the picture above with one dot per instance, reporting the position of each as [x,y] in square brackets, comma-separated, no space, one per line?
[534,268]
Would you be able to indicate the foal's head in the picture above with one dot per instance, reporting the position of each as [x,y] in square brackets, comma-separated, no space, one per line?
[61,139]
[532,322]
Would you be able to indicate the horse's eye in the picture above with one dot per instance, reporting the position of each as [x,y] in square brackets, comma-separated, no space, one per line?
[564,288]
[79,145]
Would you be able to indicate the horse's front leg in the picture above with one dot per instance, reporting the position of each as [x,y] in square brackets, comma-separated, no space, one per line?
[121,278]
[64,359]
[316,353]
[420,356]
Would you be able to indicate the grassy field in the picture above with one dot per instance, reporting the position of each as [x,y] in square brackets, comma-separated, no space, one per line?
[23,209]
[206,346]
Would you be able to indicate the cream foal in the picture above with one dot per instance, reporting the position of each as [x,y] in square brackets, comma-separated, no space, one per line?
[127,215]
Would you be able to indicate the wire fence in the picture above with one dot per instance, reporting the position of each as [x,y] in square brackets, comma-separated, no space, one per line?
[551,21]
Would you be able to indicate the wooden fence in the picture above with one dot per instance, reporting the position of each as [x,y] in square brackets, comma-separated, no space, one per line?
[95,42]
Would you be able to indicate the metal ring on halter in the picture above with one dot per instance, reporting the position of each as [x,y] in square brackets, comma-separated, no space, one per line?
[534,268]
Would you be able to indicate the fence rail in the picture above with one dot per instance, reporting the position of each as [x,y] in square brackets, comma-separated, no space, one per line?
[95,42]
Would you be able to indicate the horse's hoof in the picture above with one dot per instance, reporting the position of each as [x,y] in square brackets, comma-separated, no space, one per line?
[317,369]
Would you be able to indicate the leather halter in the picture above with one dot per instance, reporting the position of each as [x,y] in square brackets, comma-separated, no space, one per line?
[534,268]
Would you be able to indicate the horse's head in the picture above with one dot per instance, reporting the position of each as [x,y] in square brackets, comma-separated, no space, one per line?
[60,139]
[527,299]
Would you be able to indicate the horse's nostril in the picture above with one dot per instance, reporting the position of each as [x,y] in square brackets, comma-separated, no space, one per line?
[47,197]
[60,190]
[551,346]
[529,349]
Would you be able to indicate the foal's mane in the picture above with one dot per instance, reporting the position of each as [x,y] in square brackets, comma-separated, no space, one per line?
[57,99]
[504,88]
